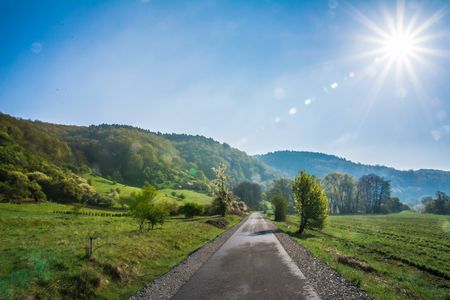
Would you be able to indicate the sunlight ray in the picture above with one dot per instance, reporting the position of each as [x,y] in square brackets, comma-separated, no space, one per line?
[431,21]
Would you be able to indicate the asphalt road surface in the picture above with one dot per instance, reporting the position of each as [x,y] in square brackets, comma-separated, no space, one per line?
[251,264]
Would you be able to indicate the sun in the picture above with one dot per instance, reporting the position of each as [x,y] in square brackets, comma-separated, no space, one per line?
[399,46]
[400,41]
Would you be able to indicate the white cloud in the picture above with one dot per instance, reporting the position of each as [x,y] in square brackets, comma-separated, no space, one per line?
[279,93]
[439,133]
[308,101]
[436,134]
[277,120]
[292,111]
[351,74]
[334,85]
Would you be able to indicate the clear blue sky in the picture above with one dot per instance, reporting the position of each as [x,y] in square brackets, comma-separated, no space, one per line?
[259,75]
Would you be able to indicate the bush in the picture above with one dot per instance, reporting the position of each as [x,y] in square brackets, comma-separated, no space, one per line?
[266,207]
[144,208]
[191,209]
[172,207]
[281,206]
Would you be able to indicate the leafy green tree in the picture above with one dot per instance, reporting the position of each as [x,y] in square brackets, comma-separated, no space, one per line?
[393,205]
[310,200]
[222,195]
[439,205]
[281,207]
[342,193]
[281,187]
[249,192]
[373,192]
[144,208]
[266,207]
[191,209]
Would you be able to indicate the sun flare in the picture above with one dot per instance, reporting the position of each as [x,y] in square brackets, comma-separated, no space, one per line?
[399,46]
[402,42]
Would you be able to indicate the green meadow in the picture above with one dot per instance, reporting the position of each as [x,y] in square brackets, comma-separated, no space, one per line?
[397,256]
[106,187]
[42,253]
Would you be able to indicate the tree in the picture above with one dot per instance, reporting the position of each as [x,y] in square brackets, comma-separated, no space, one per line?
[266,207]
[393,205]
[249,192]
[281,187]
[439,205]
[191,209]
[310,200]
[281,207]
[222,196]
[145,210]
[342,193]
[373,191]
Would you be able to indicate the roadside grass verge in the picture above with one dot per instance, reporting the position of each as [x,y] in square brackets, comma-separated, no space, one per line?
[397,256]
[42,254]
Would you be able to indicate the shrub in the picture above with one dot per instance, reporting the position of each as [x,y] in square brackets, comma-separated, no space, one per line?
[191,209]
[172,207]
[145,210]
[266,207]
[281,206]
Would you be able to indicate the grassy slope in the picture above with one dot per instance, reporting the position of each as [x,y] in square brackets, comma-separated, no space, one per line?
[104,186]
[42,252]
[392,245]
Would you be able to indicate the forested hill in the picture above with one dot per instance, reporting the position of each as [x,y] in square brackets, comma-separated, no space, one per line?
[410,186]
[123,153]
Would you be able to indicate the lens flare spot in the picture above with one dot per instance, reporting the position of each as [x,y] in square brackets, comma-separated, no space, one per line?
[292,111]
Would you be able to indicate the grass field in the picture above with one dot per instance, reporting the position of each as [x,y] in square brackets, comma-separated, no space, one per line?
[42,253]
[405,256]
[106,187]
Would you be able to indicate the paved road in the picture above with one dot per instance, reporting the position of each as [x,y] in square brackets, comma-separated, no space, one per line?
[252,264]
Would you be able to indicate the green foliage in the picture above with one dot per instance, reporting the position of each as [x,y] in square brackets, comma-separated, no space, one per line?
[342,193]
[222,196]
[191,209]
[310,200]
[249,192]
[373,191]
[409,185]
[281,207]
[266,207]
[202,154]
[440,205]
[124,154]
[144,209]
[172,207]
[281,187]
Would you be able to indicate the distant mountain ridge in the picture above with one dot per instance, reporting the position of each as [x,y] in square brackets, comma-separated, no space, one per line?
[409,185]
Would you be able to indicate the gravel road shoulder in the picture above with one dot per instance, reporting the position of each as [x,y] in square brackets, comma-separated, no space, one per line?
[165,287]
[326,281]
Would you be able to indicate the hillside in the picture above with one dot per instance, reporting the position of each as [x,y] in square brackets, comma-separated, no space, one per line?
[121,153]
[410,185]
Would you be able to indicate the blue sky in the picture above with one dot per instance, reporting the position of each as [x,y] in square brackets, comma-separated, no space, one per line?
[259,75]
